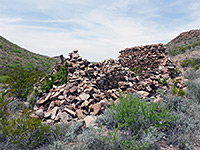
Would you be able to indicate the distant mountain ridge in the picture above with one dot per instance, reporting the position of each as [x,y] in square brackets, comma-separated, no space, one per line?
[12,55]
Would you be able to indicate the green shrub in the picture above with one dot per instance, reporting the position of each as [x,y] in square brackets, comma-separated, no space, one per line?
[57,145]
[16,51]
[34,57]
[190,62]
[59,132]
[73,132]
[136,70]
[3,78]
[189,74]
[90,139]
[107,119]
[162,81]
[16,105]
[194,90]
[184,130]
[20,81]
[134,118]
[50,80]
[1,46]
[3,106]
[177,91]
[197,67]
[194,44]
[22,132]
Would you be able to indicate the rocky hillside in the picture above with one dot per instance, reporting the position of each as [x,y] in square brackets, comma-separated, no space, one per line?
[184,39]
[12,55]
[184,46]
[184,51]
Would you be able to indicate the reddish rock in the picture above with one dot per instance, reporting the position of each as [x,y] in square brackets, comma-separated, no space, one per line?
[65,117]
[89,120]
[80,114]
[72,113]
[97,108]
[73,89]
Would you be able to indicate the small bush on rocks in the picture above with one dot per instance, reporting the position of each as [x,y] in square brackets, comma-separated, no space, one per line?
[50,80]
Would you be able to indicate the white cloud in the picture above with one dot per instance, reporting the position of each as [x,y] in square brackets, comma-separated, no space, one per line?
[98,29]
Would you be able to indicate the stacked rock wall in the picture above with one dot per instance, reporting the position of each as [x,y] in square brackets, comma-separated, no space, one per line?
[91,86]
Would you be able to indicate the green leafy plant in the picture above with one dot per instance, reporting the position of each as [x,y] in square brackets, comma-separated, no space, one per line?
[3,78]
[50,80]
[197,67]
[24,132]
[162,81]
[20,81]
[177,91]
[194,44]
[136,70]
[135,117]
[16,51]
[190,62]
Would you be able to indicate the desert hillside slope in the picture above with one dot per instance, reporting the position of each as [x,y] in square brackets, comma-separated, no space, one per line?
[12,55]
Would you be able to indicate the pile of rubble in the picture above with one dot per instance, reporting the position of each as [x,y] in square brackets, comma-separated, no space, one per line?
[92,86]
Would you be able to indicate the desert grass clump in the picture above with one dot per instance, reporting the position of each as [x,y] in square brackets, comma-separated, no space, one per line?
[184,130]
[194,90]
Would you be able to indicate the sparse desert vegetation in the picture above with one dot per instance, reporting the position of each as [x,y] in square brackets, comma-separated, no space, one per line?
[100,106]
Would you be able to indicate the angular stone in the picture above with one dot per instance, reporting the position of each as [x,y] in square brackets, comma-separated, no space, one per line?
[73,89]
[72,113]
[51,105]
[143,93]
[65,117]
[47,98]
[85,104]
[75,50]
[61,97]
[89,120]
[165,76]
[97,108]
[114,96]
[49,121]
[55,95]
[57,116]
[47,114]
[40,113]
[80,114]
[157,100]
[33,115]
[96,96]
[84,96]
[57,102]
[54,112]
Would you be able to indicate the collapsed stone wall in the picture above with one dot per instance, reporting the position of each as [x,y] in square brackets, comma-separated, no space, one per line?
[148,61]
[91,87]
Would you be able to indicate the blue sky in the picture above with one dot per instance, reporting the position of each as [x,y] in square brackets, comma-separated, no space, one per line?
[98,29]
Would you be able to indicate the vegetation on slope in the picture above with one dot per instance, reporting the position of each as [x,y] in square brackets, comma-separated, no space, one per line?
[12,55]
[134,123]
[186,41]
